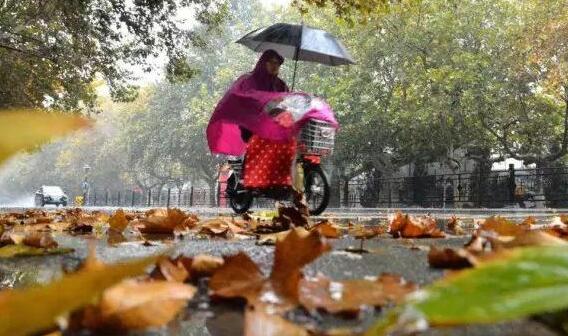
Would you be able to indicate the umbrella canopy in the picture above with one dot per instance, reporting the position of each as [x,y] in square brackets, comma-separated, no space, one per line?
[298,42]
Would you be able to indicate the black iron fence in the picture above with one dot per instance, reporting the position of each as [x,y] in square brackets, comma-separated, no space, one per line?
[491,189]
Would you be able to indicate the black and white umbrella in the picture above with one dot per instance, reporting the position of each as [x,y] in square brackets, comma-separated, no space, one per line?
[300,43]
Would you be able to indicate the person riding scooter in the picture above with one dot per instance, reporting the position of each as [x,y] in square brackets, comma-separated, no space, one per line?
[270,150]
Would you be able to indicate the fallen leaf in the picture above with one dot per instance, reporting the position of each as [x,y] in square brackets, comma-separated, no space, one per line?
[529,238]
[205,265]
[43,220]
[26,129]
[29,310]
[414,227]
[170,270]
[449,258]
[528,222]
[351,295]
[327,229]
[272,238]
[40,240]
[501,226]
[518,283]
[260,323]
[241,277]
[10,251]
[454,226]
[118,221]
[133,305]
[360,231]
[238,277]
[115,238]
[290,256]
[80,228]
[162,221]
[219,228]
[291,216]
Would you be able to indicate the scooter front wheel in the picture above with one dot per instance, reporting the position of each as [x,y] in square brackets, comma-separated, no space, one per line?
[241,201]
[317,189]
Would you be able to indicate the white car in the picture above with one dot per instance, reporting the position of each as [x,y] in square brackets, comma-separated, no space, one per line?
[50,195]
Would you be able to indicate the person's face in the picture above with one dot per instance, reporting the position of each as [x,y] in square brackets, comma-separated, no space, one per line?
[273,66]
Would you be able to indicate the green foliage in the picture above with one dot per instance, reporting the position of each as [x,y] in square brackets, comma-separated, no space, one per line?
[51,51]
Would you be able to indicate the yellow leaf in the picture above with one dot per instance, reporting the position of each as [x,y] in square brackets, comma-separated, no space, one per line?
[26,129]
[118,221]
[10,251]
[28,311]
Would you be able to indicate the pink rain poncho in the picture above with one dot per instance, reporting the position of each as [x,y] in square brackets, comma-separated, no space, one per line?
[243,105]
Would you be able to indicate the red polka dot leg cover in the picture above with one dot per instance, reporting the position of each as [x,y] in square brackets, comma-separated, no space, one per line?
[268,164]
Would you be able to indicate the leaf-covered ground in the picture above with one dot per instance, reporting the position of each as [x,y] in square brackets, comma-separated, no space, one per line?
[200,293]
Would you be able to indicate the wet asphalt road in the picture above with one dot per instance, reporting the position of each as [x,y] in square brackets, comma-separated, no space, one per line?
[386,255]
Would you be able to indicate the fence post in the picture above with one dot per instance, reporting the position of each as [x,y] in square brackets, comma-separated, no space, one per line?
[479,188]
[94,198]
[106,197]
[459,189]
[512,184]
[218,198]
[191,196]
[346,193]
[149,197]
[179,197]
[168,200]
[132,200]
[390,193]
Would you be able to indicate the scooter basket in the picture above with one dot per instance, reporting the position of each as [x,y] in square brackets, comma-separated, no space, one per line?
[317,138]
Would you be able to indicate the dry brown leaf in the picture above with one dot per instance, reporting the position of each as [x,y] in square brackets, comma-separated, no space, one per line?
[238,277]
[350,295]
[41,240]
[272,238]
[166,221]
[170,270]
[222,228]
[81,228]
[133,305]
[290,256]
[327,229]
[359,231]
[529,238]
[502,226]
[204,265]
[290,216]
[454,226]
[43,220]
[115,238]
[449,258]
[414,227]
[260,323]
[241,277]
[118,221]
[217,227]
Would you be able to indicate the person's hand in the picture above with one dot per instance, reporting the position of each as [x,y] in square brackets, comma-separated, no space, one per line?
[285,119]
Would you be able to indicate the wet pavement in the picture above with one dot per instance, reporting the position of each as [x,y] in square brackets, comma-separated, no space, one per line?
[399,256]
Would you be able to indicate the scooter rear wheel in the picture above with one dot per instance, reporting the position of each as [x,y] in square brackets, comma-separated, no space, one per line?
[317,189]
[239,199]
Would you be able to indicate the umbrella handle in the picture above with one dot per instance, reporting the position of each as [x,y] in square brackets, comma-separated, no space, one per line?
[296,55]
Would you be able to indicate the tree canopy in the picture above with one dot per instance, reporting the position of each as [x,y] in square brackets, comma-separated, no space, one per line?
[52,51]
